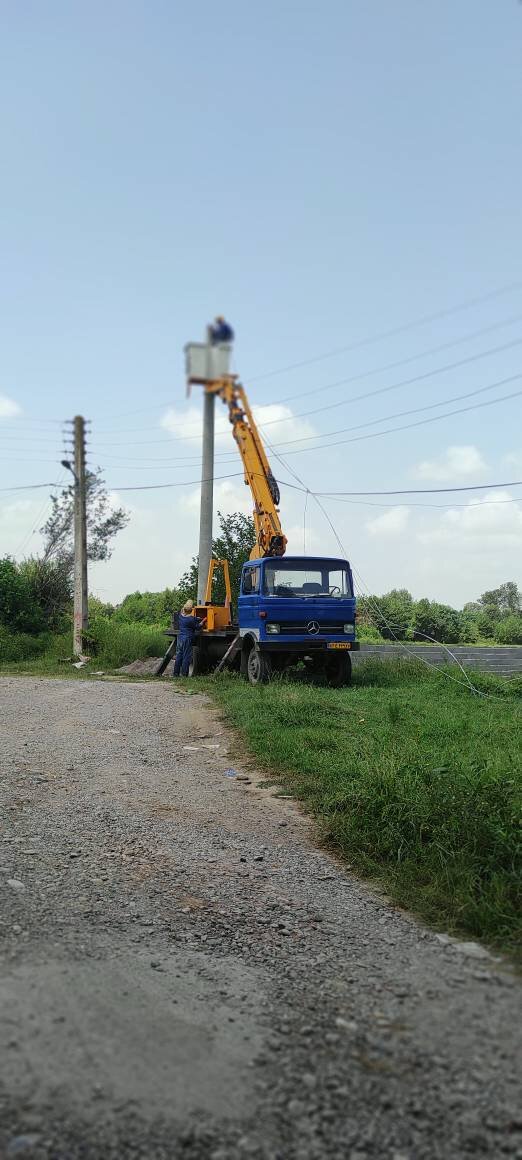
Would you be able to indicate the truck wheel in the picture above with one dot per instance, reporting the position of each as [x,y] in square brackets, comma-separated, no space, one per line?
[338,670]
[259,669]
[200,663]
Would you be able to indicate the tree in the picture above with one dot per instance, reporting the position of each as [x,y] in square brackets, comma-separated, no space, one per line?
[439,621]
[148,607]
[234,543]
[51,588]
[503,601]
[509,631]
[392,613]
[18,611]
[103,523]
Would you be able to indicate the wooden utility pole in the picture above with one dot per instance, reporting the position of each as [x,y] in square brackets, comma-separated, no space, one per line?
[80,537]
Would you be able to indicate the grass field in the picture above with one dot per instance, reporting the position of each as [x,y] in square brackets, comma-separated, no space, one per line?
[415,780]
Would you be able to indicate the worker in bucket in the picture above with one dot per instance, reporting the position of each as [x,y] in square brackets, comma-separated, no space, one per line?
[188,627]
[221,331]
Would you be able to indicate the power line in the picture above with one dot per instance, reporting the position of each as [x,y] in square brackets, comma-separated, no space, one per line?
[431,506]
[379,337]
[402,383]
[406,426]
[285,483]
[401,414]
[353,378]
[470,359]
[403,328]
[402,361]
[171,465]
[426,490]
[30,486]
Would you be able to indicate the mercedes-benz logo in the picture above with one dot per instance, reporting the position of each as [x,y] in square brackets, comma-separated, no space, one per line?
[313,628]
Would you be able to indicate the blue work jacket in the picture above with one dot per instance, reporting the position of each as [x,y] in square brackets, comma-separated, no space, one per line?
[188,627]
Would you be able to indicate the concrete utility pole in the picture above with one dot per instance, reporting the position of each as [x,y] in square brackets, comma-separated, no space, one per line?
[80,537]
[207,493]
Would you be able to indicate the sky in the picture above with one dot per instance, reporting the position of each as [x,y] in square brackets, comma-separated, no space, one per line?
[343,182]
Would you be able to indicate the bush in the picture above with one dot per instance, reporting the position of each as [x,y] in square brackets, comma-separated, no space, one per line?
[18,611]
[116,644]
[509,631]
[21,646]
[393,613]
[148,607]
[50,587]
[439,621]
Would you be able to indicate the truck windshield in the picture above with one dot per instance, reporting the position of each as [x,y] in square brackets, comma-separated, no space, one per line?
[317,580]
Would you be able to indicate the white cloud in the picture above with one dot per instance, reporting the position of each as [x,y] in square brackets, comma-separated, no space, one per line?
[512,459]
[20,523]
[281,425]
[455,463]
[228,497]
[485,526]
[8,408]
[390,523]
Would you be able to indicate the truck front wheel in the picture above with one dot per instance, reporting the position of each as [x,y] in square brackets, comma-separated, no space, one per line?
[259,669]
[338,670]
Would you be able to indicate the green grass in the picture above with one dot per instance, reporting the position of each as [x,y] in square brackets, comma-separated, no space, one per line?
[110,645]
[415,780]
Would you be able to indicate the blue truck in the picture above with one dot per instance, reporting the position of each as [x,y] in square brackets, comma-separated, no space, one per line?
[296,608]
[290,609]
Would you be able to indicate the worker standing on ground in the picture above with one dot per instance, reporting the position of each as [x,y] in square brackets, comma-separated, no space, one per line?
[188,627]
[221,331]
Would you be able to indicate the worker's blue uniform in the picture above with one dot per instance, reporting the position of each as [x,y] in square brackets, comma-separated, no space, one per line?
[188,627]
[221,332]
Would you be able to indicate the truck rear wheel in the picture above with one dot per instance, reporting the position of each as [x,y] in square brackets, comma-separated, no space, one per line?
[200,662]
[338,670]
[259,669]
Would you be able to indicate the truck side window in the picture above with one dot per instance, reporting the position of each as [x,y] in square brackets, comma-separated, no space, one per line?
[251,581]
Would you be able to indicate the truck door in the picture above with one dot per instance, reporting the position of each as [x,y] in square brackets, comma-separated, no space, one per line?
[249,597]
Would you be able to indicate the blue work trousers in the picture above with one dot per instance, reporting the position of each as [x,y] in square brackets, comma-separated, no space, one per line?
[183,657]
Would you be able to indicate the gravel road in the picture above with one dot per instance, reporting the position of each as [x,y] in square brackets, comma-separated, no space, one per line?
[183,973]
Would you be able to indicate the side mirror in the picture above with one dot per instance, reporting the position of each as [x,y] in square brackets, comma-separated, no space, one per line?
[247,584]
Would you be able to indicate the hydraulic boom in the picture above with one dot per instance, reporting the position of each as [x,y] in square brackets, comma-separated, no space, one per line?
[270,540]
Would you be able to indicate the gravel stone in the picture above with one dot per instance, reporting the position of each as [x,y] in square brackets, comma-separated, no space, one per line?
[260,1031]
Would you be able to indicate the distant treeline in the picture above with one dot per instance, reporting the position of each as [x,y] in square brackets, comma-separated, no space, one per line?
[36,599]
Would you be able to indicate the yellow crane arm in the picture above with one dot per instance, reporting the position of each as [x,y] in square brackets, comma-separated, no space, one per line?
[270,540]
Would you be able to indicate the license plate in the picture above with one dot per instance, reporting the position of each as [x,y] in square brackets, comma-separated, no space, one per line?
[338,644]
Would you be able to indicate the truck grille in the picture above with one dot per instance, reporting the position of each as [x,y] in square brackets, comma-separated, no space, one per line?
[300,628]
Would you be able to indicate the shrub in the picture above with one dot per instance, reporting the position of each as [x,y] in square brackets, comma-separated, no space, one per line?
[439,621]
[18,611]
[50,588]
[509,631]
[21,646]
[118,644]
[148,607]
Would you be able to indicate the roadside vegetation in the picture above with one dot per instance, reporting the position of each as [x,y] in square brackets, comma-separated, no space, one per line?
[414,779]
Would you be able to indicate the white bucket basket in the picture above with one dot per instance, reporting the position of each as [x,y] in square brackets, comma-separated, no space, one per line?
[205,363]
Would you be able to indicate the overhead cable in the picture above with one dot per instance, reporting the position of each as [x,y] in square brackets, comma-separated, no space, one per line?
[380,336]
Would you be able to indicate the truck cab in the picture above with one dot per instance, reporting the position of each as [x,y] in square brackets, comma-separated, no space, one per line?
[297,608]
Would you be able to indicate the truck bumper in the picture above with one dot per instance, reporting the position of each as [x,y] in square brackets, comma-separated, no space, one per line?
[306,647]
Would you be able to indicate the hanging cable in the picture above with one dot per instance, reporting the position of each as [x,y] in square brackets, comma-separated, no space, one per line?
[380,336]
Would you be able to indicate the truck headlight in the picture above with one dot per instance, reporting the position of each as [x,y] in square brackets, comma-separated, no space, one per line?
[349,627]
[273,628]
